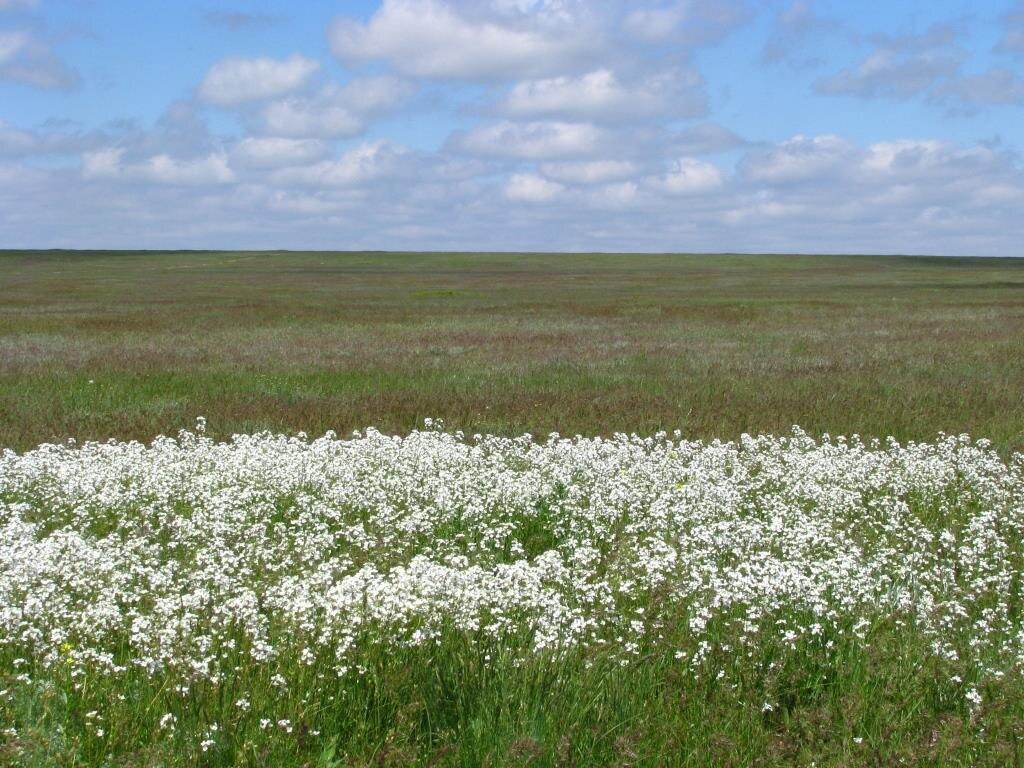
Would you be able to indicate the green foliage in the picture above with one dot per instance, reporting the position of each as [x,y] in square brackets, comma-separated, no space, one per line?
[870,704]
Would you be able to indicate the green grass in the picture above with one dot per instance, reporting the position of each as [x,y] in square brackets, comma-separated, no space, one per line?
[130,345]
[887,704]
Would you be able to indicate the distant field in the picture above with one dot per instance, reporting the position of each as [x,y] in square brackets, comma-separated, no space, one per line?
[129,345]
[445,600]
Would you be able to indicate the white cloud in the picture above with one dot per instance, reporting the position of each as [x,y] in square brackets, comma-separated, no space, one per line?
[212,169]
[365,163]
[371,95]
[589,171]
[308,117]
[429,38]
[620,195]
[14,141]
[705,138]
[690,176]
[26,59]
[158,169]
[337,111]
[535,141]
[163,169]
[920,162]
[831,179]
[530,188]
[687,22]
[657,24]
[798,158]
[304,204]
[276,151]
[602,95]
[102,163]
[892,156]
[233,81]
[11,43]
[807,193]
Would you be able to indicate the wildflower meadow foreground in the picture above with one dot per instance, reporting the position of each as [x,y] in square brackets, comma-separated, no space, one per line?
[446,599]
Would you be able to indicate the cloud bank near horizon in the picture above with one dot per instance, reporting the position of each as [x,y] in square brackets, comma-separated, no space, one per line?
[519,125]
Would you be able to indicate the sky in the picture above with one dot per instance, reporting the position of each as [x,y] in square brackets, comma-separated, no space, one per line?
[543,125]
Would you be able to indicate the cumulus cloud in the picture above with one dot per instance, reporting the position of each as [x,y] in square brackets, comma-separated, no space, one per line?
[655,24]
[922,162]
[368,162]
[705,139]
[688,22]
[587,140]
[534,141]
[371,95]
[616,196]
[834,180]
[14,141]
[797,159]
[817,192]
[159,169]
[30,60]
[602,95]
[276,151]
[494,40]
[233,81]
[336,111]
[589,171]
[690,176]
[18,142]
[907,195]
[311,117]
[478,41]
[530,188]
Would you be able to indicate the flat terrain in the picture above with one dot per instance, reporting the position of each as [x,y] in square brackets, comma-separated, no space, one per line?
[440,601]
[129,345]
[387,603]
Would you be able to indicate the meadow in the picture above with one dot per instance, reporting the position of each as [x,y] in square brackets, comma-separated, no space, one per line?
[443,599]
[131,345]
[574,525]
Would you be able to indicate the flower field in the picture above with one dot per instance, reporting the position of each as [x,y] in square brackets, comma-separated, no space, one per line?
[443,598]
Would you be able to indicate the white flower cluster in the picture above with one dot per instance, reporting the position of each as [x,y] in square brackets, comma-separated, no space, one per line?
[181,557]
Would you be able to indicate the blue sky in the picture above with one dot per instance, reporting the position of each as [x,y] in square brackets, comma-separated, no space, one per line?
[660,125]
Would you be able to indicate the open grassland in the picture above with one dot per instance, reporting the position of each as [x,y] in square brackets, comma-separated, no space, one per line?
[447,598]
[436,600]
[130,345]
